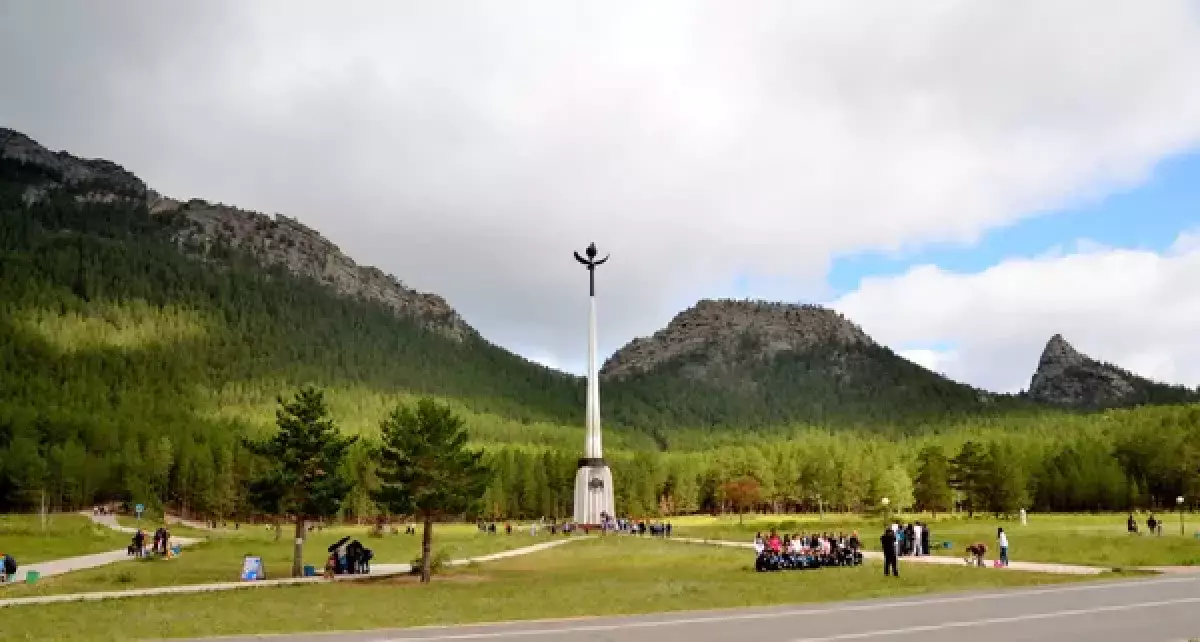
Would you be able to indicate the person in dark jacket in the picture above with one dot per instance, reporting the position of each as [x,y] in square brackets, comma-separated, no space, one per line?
[888,543]
[8,567]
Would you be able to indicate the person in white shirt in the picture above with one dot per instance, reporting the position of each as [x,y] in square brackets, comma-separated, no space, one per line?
[759,544]
[1003,546]
[916,545]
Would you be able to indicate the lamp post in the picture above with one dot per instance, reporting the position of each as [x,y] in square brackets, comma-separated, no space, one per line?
[1179,505]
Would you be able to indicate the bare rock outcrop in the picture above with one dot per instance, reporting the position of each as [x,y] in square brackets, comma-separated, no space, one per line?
[272,241]
[728,332]
[1067,377]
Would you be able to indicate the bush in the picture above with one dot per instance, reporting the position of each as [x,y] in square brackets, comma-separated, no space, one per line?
[437,561]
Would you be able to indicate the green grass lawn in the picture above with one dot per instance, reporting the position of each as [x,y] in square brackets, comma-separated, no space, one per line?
[65,535]
[219,557]
[598,576]
[1080,539]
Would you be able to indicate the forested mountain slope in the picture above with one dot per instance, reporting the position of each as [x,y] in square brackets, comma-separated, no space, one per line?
[751,363]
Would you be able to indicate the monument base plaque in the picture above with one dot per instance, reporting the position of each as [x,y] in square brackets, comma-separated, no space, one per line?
[593,492]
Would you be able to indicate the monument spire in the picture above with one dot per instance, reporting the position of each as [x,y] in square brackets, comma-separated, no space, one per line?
[593,479]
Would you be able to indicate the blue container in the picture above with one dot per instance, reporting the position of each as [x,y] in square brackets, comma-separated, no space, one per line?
[310,570]
[946,544]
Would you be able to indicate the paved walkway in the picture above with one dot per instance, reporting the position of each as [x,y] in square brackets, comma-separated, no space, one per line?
[50,568]
[1036,567]
[377,570]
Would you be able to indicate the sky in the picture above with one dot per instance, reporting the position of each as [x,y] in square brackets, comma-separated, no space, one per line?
[963,179]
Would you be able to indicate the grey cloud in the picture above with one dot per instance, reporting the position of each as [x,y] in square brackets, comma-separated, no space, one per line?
[469,147]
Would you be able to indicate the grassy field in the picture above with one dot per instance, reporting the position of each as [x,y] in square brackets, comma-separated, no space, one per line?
[633,575]
[65,535]
[1080,539]
[219,558]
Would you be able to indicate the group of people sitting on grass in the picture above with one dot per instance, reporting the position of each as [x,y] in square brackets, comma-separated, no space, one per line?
[775,553]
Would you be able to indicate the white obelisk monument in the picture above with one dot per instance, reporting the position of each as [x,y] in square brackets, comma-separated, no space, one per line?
[593,479]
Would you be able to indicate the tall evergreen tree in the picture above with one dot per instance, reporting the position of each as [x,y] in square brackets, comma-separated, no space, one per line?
[306,454]
[967,470]
[425,467]
[931,487]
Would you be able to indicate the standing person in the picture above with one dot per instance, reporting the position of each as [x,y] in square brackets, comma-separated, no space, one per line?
[8,567]
[1003,546]
[888,543]
[1152,524]
[918,546]
[1131,525]
[924,538]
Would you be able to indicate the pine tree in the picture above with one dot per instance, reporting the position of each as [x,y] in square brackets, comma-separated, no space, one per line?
[306,456]
[966,476]
[425,467]
[931,487]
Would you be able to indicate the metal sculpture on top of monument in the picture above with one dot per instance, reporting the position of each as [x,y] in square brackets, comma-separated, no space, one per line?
[593,479]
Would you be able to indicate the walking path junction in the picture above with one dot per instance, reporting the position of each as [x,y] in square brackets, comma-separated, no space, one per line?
[50,568]
[377,571]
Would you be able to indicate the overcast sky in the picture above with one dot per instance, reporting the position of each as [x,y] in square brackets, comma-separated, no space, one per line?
[714,148]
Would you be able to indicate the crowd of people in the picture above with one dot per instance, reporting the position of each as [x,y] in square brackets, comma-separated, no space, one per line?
[775,553]
[609,524]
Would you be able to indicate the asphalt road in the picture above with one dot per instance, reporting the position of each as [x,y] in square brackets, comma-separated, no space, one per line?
[1158,609]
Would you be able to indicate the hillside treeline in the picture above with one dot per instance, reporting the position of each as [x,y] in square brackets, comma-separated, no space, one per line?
[1141,458]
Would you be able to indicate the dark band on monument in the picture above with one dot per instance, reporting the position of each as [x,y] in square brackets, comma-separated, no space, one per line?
[595,462]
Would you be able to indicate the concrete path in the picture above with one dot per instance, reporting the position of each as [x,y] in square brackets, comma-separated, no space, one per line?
[1156,609]
[50,568]
[1036,567]
[377,570]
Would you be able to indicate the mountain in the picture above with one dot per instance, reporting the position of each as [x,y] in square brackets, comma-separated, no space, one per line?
[1067,378]
[747,363]
[141,337]
[277,241]
[102,274]
[114,295]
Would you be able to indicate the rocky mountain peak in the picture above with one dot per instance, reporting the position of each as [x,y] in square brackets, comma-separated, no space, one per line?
[272,241]
[1067,377]
[732,330]
[1059,353]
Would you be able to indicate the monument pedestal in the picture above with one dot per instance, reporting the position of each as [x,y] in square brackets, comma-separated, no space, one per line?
[593,491]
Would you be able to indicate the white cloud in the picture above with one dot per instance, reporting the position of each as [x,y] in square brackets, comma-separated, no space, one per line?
[1136,308]
[930,359]
[468,147]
